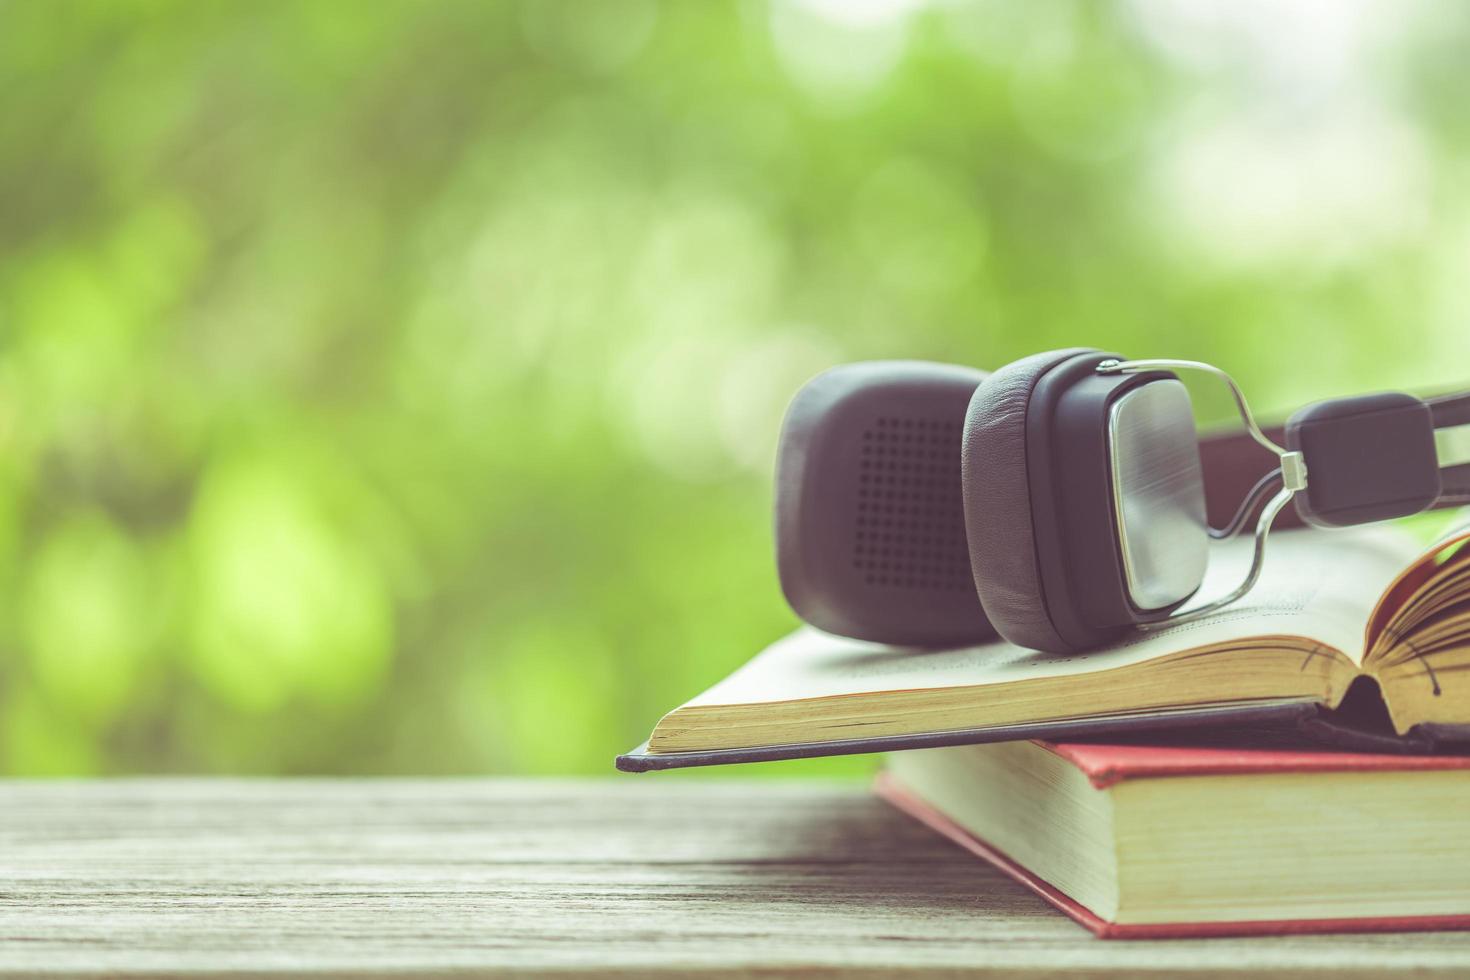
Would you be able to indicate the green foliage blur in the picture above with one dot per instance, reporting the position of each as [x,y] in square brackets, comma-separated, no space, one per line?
[393,386]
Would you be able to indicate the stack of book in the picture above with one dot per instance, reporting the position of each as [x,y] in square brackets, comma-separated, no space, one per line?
[1288,765]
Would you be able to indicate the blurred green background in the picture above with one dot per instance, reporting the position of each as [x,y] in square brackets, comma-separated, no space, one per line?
[393,386]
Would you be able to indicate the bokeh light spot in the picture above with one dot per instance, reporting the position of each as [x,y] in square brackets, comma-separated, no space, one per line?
[286,605]
[92,607]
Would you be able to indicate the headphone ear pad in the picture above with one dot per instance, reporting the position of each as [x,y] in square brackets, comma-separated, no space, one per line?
[999,526]
[870,534]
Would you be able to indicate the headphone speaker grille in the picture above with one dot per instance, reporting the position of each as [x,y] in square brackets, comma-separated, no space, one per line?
[909,525]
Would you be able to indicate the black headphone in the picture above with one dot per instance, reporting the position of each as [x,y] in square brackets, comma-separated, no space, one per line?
[1066,498]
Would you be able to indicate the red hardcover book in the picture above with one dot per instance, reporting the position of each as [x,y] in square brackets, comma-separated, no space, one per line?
[1202,838]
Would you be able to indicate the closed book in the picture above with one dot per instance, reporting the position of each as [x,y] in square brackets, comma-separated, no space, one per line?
[1155,841]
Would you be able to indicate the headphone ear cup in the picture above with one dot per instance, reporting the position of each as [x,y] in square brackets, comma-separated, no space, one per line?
[999,524]
[870,528]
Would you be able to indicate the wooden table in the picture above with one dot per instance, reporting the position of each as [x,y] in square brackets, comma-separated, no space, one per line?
[633,876]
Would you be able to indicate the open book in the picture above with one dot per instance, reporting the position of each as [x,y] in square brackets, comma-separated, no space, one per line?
[1367,610]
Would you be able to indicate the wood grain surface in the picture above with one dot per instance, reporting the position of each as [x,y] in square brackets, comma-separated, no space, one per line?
[633,876]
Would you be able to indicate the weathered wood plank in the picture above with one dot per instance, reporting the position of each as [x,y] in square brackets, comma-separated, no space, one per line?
[633,876]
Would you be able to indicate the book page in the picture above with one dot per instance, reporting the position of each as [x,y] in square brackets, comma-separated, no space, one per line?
[1317,586]
[1420,635]
[1435,580]
[1322,584]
